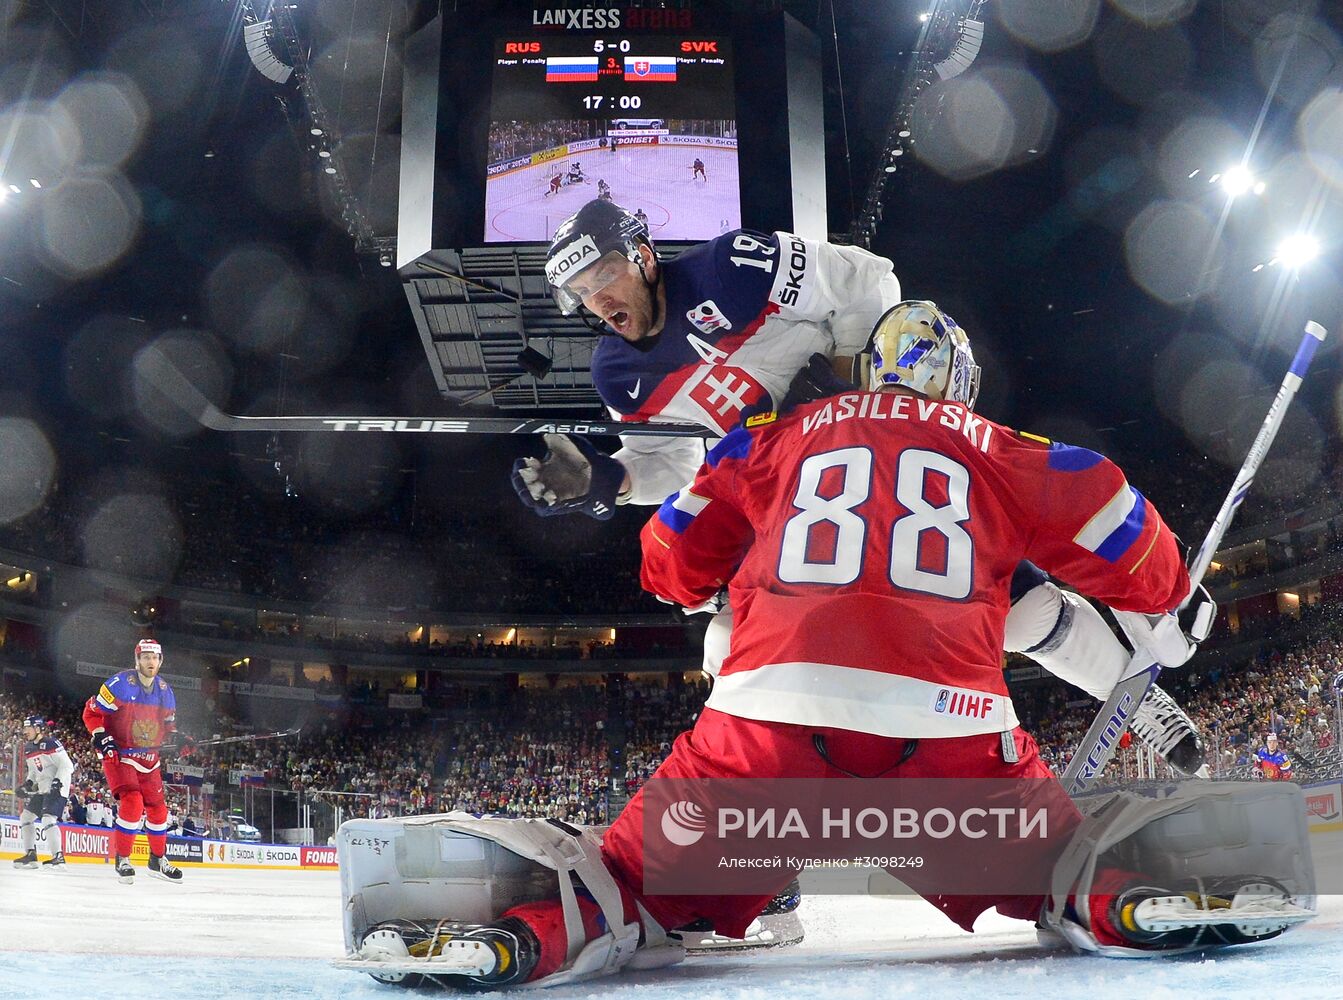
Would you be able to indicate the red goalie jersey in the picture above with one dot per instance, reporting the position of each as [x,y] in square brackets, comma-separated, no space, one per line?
[873,522]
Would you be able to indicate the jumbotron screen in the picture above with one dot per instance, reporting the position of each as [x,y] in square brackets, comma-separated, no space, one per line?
[646,120]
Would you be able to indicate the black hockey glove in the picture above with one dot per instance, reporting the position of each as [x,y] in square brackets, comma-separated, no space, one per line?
[105,744]
[28,788]
[816,381]
[57,788]
[573,478]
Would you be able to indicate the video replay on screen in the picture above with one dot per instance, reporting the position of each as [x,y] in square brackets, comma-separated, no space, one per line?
[648,122]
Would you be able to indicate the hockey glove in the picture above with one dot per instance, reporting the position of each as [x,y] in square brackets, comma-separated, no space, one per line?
[105,745]
[28,788]
[817,381]
[1172,638]
[573,478]
[57,788]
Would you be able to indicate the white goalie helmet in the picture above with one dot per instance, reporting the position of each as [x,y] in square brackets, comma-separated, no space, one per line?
[916,345]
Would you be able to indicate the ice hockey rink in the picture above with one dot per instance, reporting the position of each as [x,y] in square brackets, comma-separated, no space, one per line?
[224,934]
[657,179]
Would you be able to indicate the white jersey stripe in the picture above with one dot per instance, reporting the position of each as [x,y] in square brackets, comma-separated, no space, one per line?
[865,701]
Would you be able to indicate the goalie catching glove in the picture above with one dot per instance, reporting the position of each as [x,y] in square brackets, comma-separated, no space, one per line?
[1172,638]
[573,478]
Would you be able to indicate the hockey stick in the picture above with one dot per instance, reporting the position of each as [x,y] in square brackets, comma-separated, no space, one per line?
[181,391]
[221,741]
[1102,738]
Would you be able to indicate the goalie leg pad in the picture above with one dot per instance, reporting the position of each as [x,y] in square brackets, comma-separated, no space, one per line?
[470,869]
[1192,831]
[1067,636]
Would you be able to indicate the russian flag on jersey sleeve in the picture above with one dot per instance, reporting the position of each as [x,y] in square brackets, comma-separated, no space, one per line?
[1116,529]
[679,510]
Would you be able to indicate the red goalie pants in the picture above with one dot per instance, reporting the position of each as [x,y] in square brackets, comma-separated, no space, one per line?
[139,796]
[724,746]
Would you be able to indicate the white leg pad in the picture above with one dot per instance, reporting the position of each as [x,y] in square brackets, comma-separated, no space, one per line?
[1194,829]
[462,867]
[1067,636]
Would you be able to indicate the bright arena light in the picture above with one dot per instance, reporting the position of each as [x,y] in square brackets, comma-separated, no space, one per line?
[1298,250]
[1237,180]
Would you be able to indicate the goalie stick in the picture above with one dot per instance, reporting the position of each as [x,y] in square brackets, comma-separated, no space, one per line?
[183,393]
[1102,738]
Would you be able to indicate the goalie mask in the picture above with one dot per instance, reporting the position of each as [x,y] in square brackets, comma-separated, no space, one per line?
[589,244]
[916,345]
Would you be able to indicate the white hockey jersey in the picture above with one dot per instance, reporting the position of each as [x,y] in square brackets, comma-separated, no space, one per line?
[744,313]
[46,761]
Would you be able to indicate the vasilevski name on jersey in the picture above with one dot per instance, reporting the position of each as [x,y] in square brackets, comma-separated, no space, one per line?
[46,760]
[869,544]
[139,719]
[744,313]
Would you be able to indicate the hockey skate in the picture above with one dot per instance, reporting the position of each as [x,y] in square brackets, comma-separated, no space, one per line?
[57,860]
[1206,912]
[465,954]
[161,867]
[125,871]
[29,860]
[1166,728]
[777,927]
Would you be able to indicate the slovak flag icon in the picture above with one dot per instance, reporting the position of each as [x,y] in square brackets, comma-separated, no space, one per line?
[651,69]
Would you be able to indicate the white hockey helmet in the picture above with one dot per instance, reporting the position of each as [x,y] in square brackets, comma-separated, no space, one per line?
[916,345]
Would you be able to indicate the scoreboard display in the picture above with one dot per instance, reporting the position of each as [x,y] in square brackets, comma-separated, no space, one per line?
[646,120]
[701,119]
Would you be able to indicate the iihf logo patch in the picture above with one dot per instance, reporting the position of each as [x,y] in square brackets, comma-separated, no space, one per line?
[942,697]
[707,317]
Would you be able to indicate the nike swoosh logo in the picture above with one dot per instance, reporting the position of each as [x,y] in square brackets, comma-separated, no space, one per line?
[634,393]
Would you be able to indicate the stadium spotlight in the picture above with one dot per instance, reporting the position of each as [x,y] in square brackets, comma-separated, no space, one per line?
[35,182]
[1297,250]
[924,16]
[1237,180]
[16,189]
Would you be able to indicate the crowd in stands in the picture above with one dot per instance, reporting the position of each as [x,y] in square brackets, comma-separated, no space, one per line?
[550,751]
[512,139]
[523,752]
[1288,690]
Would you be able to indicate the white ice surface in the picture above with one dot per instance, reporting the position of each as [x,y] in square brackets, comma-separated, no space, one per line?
[657,179]
[224,934]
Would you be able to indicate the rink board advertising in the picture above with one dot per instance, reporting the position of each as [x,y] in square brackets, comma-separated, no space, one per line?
[635,111]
